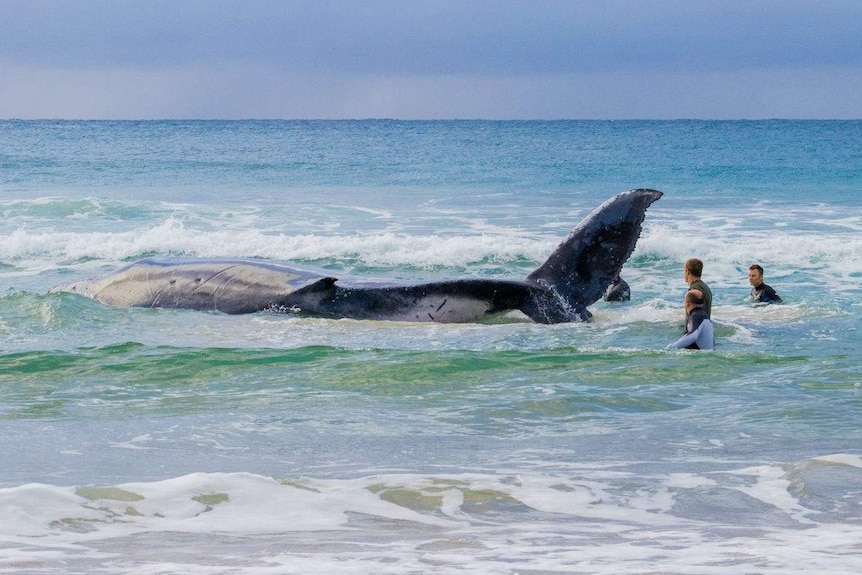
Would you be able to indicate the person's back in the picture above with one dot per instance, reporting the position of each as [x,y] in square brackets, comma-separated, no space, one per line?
[692,272]
[699,332]
[700,326]
[701,286]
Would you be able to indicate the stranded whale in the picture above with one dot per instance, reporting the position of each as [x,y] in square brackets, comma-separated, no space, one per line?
[574,276]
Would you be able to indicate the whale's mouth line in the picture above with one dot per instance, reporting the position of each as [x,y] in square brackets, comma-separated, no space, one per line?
[201,284]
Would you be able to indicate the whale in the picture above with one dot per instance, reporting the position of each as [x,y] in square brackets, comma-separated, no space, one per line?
[574,276]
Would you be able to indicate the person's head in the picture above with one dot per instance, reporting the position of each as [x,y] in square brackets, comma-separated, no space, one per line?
[693,269]
[755,275]
[693,298]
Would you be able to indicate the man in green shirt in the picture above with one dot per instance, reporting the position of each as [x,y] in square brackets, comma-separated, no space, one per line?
[692,273]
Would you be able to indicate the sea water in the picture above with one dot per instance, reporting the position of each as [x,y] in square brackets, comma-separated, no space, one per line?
[172,441]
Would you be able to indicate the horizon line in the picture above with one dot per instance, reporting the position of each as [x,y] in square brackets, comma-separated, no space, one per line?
[383,119]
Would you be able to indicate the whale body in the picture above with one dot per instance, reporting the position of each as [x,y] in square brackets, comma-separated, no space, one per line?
[574,276]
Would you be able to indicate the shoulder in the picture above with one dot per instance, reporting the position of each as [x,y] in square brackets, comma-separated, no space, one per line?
[768,294]
[700,285]
[697,317]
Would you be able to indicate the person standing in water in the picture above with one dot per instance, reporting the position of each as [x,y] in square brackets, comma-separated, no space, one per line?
[699,333]
[760,292]
[692,272]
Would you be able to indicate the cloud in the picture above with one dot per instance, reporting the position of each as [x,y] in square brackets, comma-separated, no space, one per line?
[430,59]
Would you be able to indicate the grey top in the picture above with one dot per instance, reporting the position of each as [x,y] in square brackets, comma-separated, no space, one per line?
[699,332]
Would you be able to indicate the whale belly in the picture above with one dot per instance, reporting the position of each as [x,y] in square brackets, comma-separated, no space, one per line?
[225,286]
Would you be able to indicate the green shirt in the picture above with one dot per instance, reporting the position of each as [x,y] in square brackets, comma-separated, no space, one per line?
[707,294]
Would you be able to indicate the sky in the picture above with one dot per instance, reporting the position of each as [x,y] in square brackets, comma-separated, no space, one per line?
[430,59]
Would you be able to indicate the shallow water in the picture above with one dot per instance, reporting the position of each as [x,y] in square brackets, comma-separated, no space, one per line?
[159,441]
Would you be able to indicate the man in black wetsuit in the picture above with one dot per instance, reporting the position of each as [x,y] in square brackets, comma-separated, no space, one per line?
[760,292]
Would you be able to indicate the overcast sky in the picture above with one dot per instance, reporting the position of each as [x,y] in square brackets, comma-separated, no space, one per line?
[424,59]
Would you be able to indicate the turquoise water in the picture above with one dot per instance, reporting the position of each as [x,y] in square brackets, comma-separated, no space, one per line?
[163,441]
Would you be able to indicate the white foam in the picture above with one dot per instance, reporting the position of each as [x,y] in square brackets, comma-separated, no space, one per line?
[771,487]
[842,459]
[601,520]
[33,249]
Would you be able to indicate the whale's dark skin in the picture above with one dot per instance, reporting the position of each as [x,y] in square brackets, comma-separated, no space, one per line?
[573,277]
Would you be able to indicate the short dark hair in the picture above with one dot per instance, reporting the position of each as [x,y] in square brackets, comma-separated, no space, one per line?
[756,267]
[694,266]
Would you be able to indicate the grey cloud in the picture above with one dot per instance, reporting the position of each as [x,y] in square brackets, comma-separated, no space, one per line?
[430,59]
[434,36]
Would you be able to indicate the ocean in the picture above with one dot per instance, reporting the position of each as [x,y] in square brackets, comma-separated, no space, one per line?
[152,441]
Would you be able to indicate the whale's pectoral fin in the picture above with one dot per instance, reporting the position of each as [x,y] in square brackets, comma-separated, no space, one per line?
[583,266]
[322,285]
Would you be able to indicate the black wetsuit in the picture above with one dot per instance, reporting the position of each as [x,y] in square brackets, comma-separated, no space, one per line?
[765,294]
[695,318]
